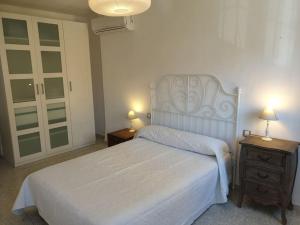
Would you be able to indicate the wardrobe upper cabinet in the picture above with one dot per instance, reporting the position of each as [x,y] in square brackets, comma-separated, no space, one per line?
[80,83]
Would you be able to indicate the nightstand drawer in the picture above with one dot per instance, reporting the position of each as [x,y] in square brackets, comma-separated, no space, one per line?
[263,156]
[262,176]
[115,140]
[253,189]
[119,136]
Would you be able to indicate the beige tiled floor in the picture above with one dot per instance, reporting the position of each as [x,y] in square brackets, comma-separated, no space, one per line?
[223,214]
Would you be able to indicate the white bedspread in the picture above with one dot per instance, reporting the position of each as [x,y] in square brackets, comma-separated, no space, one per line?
[136,183]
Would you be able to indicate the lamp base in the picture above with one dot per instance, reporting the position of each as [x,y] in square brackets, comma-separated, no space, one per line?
[266,138]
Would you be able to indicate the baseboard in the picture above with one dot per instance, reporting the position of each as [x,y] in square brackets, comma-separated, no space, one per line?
[297,204]
[33,160]
[84,145]
[100,134]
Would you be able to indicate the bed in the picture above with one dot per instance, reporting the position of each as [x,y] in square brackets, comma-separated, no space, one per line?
[169,174]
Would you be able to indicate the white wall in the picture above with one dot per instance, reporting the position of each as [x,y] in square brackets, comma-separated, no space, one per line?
[95,51]
[250,43]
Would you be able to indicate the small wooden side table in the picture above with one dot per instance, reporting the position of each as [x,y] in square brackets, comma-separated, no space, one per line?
[267,172]
[119,136]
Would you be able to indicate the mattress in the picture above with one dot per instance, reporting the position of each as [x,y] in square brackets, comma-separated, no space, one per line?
[139,182]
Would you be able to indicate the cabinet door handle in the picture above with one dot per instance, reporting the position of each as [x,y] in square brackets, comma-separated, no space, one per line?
[43,91]
[262,176]
[264,158]
[70,85]
[37,89]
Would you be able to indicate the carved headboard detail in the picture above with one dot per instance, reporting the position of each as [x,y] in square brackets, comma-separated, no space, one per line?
[196,103]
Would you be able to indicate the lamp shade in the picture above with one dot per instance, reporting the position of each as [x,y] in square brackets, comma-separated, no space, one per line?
[132,115]
[119,7]
[268,114]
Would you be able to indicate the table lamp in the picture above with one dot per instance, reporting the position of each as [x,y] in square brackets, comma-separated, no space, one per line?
[268,114]
[131,116]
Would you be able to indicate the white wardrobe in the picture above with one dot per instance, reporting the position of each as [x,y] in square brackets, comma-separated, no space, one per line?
[46,87]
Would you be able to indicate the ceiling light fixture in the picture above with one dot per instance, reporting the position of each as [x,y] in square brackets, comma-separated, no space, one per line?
[119,7]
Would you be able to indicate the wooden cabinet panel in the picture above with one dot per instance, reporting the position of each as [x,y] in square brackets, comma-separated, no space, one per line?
[80,83]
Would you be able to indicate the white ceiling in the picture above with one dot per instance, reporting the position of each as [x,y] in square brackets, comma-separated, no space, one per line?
[75,7]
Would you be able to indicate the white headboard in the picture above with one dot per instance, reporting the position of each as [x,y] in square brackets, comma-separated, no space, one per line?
[196,103]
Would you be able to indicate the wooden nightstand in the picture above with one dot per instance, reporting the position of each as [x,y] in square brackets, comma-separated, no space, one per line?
[268,171]
[119,136]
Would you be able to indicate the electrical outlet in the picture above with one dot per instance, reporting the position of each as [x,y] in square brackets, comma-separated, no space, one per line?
[246,133]
[149,115]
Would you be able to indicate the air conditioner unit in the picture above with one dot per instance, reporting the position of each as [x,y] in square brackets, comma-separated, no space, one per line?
[107,24]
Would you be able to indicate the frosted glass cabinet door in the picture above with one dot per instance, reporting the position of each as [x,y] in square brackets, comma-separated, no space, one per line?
[26,118]
[56,113]
[48,34]
[59,137]
[22,90]
[54,88]
[52,73]
[51,62]
[29,144]
[19,61]
[15,31]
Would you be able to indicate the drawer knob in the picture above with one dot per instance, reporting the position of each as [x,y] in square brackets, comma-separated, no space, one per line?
[262,176]
[264,158]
